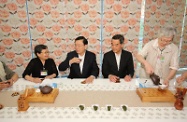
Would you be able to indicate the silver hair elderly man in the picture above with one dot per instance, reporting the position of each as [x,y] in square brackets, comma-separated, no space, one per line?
[160,56]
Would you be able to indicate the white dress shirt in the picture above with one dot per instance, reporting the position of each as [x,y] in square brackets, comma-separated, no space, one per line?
[118,58]
[82,61]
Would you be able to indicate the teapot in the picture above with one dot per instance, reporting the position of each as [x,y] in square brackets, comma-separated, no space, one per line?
[155,78]
[45,89]
[179,95]
[179,104]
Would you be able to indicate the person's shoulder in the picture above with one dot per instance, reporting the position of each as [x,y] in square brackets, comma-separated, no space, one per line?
[34,59]
[90,53]
[174,46]
[71,52]
[108,53]
[50,59]
[151,42]
[3,63]
[126,52]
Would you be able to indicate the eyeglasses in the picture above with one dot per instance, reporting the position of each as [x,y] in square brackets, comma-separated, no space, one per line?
[166,40]
[45,52]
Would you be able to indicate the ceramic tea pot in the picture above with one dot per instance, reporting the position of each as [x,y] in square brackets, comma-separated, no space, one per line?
[179,98]
[155,78]
[179,104]
[45,89]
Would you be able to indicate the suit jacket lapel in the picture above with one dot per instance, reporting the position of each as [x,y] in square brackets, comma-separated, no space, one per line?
[77,67]
[121,60]
[86,58]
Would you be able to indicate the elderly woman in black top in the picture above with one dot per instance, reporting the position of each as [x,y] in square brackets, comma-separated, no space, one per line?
[41,67]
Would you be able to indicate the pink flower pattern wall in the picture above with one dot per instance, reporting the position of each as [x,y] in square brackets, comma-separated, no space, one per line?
[84,18]
[48,26]
[159,13]
[183,53]
[56,23]
[122,17]
[14,36]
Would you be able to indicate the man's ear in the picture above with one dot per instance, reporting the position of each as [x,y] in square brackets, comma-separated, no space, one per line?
[86,46]
[122,45]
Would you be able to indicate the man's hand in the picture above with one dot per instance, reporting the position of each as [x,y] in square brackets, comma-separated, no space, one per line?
[127,78]
[180,79]
[90,79]
[4,85]
[37,80]
[166,82]
[75,60]
[50,76]
[149,69]
[113,78]
[11,82]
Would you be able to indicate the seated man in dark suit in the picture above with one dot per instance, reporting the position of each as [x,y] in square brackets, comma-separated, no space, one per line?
[82,63]
[118,63]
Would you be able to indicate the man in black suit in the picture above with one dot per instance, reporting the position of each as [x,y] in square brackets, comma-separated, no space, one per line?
[82,63]
[118,63]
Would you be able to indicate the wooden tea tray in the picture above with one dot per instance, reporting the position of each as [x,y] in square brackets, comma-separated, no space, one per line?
[155,95]
[39,97]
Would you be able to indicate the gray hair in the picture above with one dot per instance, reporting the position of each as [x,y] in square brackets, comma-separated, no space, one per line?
[168,31]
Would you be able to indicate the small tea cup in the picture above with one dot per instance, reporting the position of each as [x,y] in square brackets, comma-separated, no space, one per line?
[162,87]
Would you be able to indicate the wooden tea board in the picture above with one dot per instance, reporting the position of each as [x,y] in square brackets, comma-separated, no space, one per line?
[155,95]
[39,97]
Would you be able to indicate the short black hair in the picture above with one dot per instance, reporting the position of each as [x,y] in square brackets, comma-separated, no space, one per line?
[84,40]
[39,48]
[119,37]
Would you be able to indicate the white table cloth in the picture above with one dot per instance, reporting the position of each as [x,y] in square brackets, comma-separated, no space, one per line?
[68,114]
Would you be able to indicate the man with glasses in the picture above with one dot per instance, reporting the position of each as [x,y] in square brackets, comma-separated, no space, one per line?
[82,63]
[160,56]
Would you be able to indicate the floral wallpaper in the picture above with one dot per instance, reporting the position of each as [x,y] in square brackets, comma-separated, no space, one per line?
[56,23]
[121,17]
[183,53]
[15,45]
[159,13]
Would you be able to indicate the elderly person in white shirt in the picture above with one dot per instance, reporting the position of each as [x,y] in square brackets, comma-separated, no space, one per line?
[160,56]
